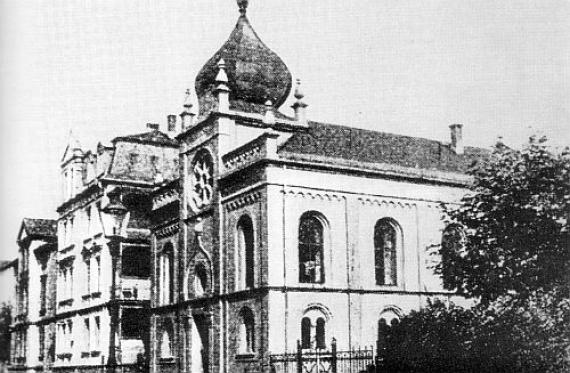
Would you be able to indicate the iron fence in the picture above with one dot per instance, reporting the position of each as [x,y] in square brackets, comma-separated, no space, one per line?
[318,360]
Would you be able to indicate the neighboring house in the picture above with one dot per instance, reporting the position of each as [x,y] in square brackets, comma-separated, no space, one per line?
[83,280]
[283,233]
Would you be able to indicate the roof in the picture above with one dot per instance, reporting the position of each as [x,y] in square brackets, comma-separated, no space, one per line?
[154,137]
[255,73]
[360,145]
[5,264]
[40,227]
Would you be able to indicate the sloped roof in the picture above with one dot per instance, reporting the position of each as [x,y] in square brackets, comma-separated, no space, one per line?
[40,227]
[154,137]
[5,264]
[354,144]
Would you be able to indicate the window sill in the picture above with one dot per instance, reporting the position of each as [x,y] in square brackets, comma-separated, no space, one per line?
[245,355]
[66,302]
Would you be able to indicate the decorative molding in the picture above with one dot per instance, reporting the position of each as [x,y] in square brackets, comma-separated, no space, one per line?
[248,155]
[167,231]
[386,202]
[311,194]
[243,200]
[166,197]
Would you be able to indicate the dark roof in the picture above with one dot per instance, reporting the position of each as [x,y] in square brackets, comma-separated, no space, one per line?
[5,264]
[255,73]
[360,145]
[40,227]
[154,137]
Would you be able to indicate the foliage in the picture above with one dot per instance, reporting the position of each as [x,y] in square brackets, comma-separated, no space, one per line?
[5,320]
[516,226]
[502,337]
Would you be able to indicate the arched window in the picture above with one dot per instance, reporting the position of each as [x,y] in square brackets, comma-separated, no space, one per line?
[453,242]
[388,319]
[385,252]
[246,331]
[313,329]
[166,340]
[311,242]
[200,280]
[166,274]
[245,253]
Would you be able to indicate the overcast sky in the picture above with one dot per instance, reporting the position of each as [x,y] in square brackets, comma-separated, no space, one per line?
[105,68]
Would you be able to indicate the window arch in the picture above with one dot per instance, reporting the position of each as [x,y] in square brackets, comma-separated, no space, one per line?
[314,328]
[388,318]
[311,248]
[246,331]
[245,253]
[386,241]
[166,274]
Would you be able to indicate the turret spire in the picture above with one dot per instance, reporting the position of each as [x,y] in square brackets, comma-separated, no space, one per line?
[242,4]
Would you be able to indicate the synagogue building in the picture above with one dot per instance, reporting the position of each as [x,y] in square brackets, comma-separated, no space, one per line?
[240,235]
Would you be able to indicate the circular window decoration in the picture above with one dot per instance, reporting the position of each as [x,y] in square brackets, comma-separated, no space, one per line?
[202,176]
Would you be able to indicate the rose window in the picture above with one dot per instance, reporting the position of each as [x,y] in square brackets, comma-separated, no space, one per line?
[202,180]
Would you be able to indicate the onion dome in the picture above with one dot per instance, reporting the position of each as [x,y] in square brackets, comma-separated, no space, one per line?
[255,73]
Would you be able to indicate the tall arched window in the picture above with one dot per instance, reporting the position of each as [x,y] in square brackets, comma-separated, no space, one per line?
[453,242]
[385,252]
[246,331]
[311,242]
[245,253]
[166,274]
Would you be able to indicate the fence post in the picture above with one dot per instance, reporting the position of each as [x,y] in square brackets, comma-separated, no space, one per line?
[299,357]
[333,357]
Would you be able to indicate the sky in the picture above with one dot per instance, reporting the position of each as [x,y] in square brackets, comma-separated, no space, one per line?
[104,68]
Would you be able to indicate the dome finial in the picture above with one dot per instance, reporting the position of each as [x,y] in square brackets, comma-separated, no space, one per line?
[242,4]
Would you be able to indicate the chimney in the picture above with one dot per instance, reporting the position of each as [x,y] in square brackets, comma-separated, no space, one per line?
[457,138]
[153,126]
[171,123]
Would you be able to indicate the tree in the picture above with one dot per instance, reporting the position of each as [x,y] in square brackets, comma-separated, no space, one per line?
[516,226]
[5,320]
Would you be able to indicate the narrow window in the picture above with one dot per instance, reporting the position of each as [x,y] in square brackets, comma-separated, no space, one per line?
[166,340]
[320,333]
[247,332]
[245,253]
[86,336]
[310,250]
[385,254]
[306,332]
[166,274]
[200,281]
